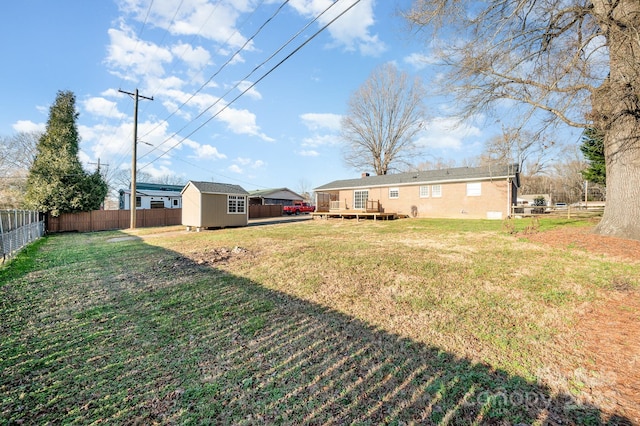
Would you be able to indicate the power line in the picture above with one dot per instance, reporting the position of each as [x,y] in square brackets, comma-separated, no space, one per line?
[296,50]
[245,78]
[223,66]
[121,160]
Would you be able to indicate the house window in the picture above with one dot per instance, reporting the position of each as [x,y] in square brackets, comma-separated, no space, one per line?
[436,191]
[394,193]
[236,204]
[157,204]
[424,191]
[474,189]
[138,201]
[360,199]
[175,203]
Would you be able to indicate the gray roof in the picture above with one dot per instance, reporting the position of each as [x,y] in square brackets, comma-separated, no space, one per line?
[422,177]
[217,188]
[271,191]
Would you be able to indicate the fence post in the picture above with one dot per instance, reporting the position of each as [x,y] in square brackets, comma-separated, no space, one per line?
[2,238]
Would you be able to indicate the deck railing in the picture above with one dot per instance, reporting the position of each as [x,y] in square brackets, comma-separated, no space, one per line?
[371,206]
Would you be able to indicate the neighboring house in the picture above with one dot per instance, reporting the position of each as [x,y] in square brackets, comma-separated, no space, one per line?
[462,192]
[152,196]
[278,196]
[530,199]
[214,205]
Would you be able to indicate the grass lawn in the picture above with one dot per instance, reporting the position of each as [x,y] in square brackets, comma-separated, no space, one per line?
[317,322]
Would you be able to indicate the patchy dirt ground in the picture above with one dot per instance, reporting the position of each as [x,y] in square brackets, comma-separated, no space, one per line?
[584,238]
[610,330]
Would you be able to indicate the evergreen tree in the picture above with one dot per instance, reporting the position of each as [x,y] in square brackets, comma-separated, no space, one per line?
[593,150]
[57,183]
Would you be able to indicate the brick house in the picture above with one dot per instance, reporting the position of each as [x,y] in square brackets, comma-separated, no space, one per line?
[461,192]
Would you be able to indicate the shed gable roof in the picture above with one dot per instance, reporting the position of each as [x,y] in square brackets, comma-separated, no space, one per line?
[216,188]
[457,174]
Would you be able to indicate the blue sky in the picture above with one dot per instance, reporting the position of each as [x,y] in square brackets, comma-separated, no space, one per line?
[283,132]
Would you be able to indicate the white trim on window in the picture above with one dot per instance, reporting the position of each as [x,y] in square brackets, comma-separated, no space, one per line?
[474,189]
[360,199]
[236,204]
[394,193]
[436,191]
[424,191]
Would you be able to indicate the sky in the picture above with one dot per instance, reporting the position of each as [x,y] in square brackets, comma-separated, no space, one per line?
[249,92]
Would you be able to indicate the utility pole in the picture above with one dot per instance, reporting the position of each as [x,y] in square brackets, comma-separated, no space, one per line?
[134,155]
[99,165]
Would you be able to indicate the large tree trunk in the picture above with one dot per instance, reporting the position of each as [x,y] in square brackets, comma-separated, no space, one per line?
[622,211]
[616,107]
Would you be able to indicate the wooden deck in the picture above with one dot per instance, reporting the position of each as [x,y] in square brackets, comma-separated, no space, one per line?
[354,214]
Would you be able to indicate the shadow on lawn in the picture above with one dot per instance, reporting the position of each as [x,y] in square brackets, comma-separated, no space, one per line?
[204,346]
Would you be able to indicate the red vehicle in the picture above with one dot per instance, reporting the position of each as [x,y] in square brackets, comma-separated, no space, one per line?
[298,207]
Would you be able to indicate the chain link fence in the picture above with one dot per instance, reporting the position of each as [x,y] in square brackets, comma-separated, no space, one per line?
[17,229]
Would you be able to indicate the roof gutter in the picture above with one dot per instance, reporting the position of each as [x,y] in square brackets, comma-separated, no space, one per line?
[430,182]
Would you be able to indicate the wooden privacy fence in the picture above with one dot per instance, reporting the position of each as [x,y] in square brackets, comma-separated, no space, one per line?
[103,220]
[257,211]
[17,229]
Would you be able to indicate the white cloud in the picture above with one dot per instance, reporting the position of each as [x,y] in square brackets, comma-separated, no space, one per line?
[446,133]
[113,93]
[321,140]
[204,151]
[235,168]
[248,162]
[419,61]
[209,151]
[351,30]
[317,121]
[113,145]
[211,20]
[243,161]
[129,56]
[194,57]
[163,85]
[239,121]
[103,108]
[28,126]
[252,92]
[309,153]
[243,122]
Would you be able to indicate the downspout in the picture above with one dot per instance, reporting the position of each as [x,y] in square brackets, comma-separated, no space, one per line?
[509,196]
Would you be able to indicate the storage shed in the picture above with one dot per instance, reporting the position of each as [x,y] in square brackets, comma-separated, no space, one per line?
[214,205]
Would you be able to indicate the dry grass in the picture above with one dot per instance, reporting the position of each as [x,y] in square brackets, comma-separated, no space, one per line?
[318,322]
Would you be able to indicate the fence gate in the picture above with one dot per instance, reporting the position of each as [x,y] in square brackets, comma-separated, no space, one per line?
[17,229]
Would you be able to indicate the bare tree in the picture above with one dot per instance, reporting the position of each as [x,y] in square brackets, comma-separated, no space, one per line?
[383,117]
[530,152]
[304,189]
[169,179]
[573,62]
[438,163]
[17,153]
